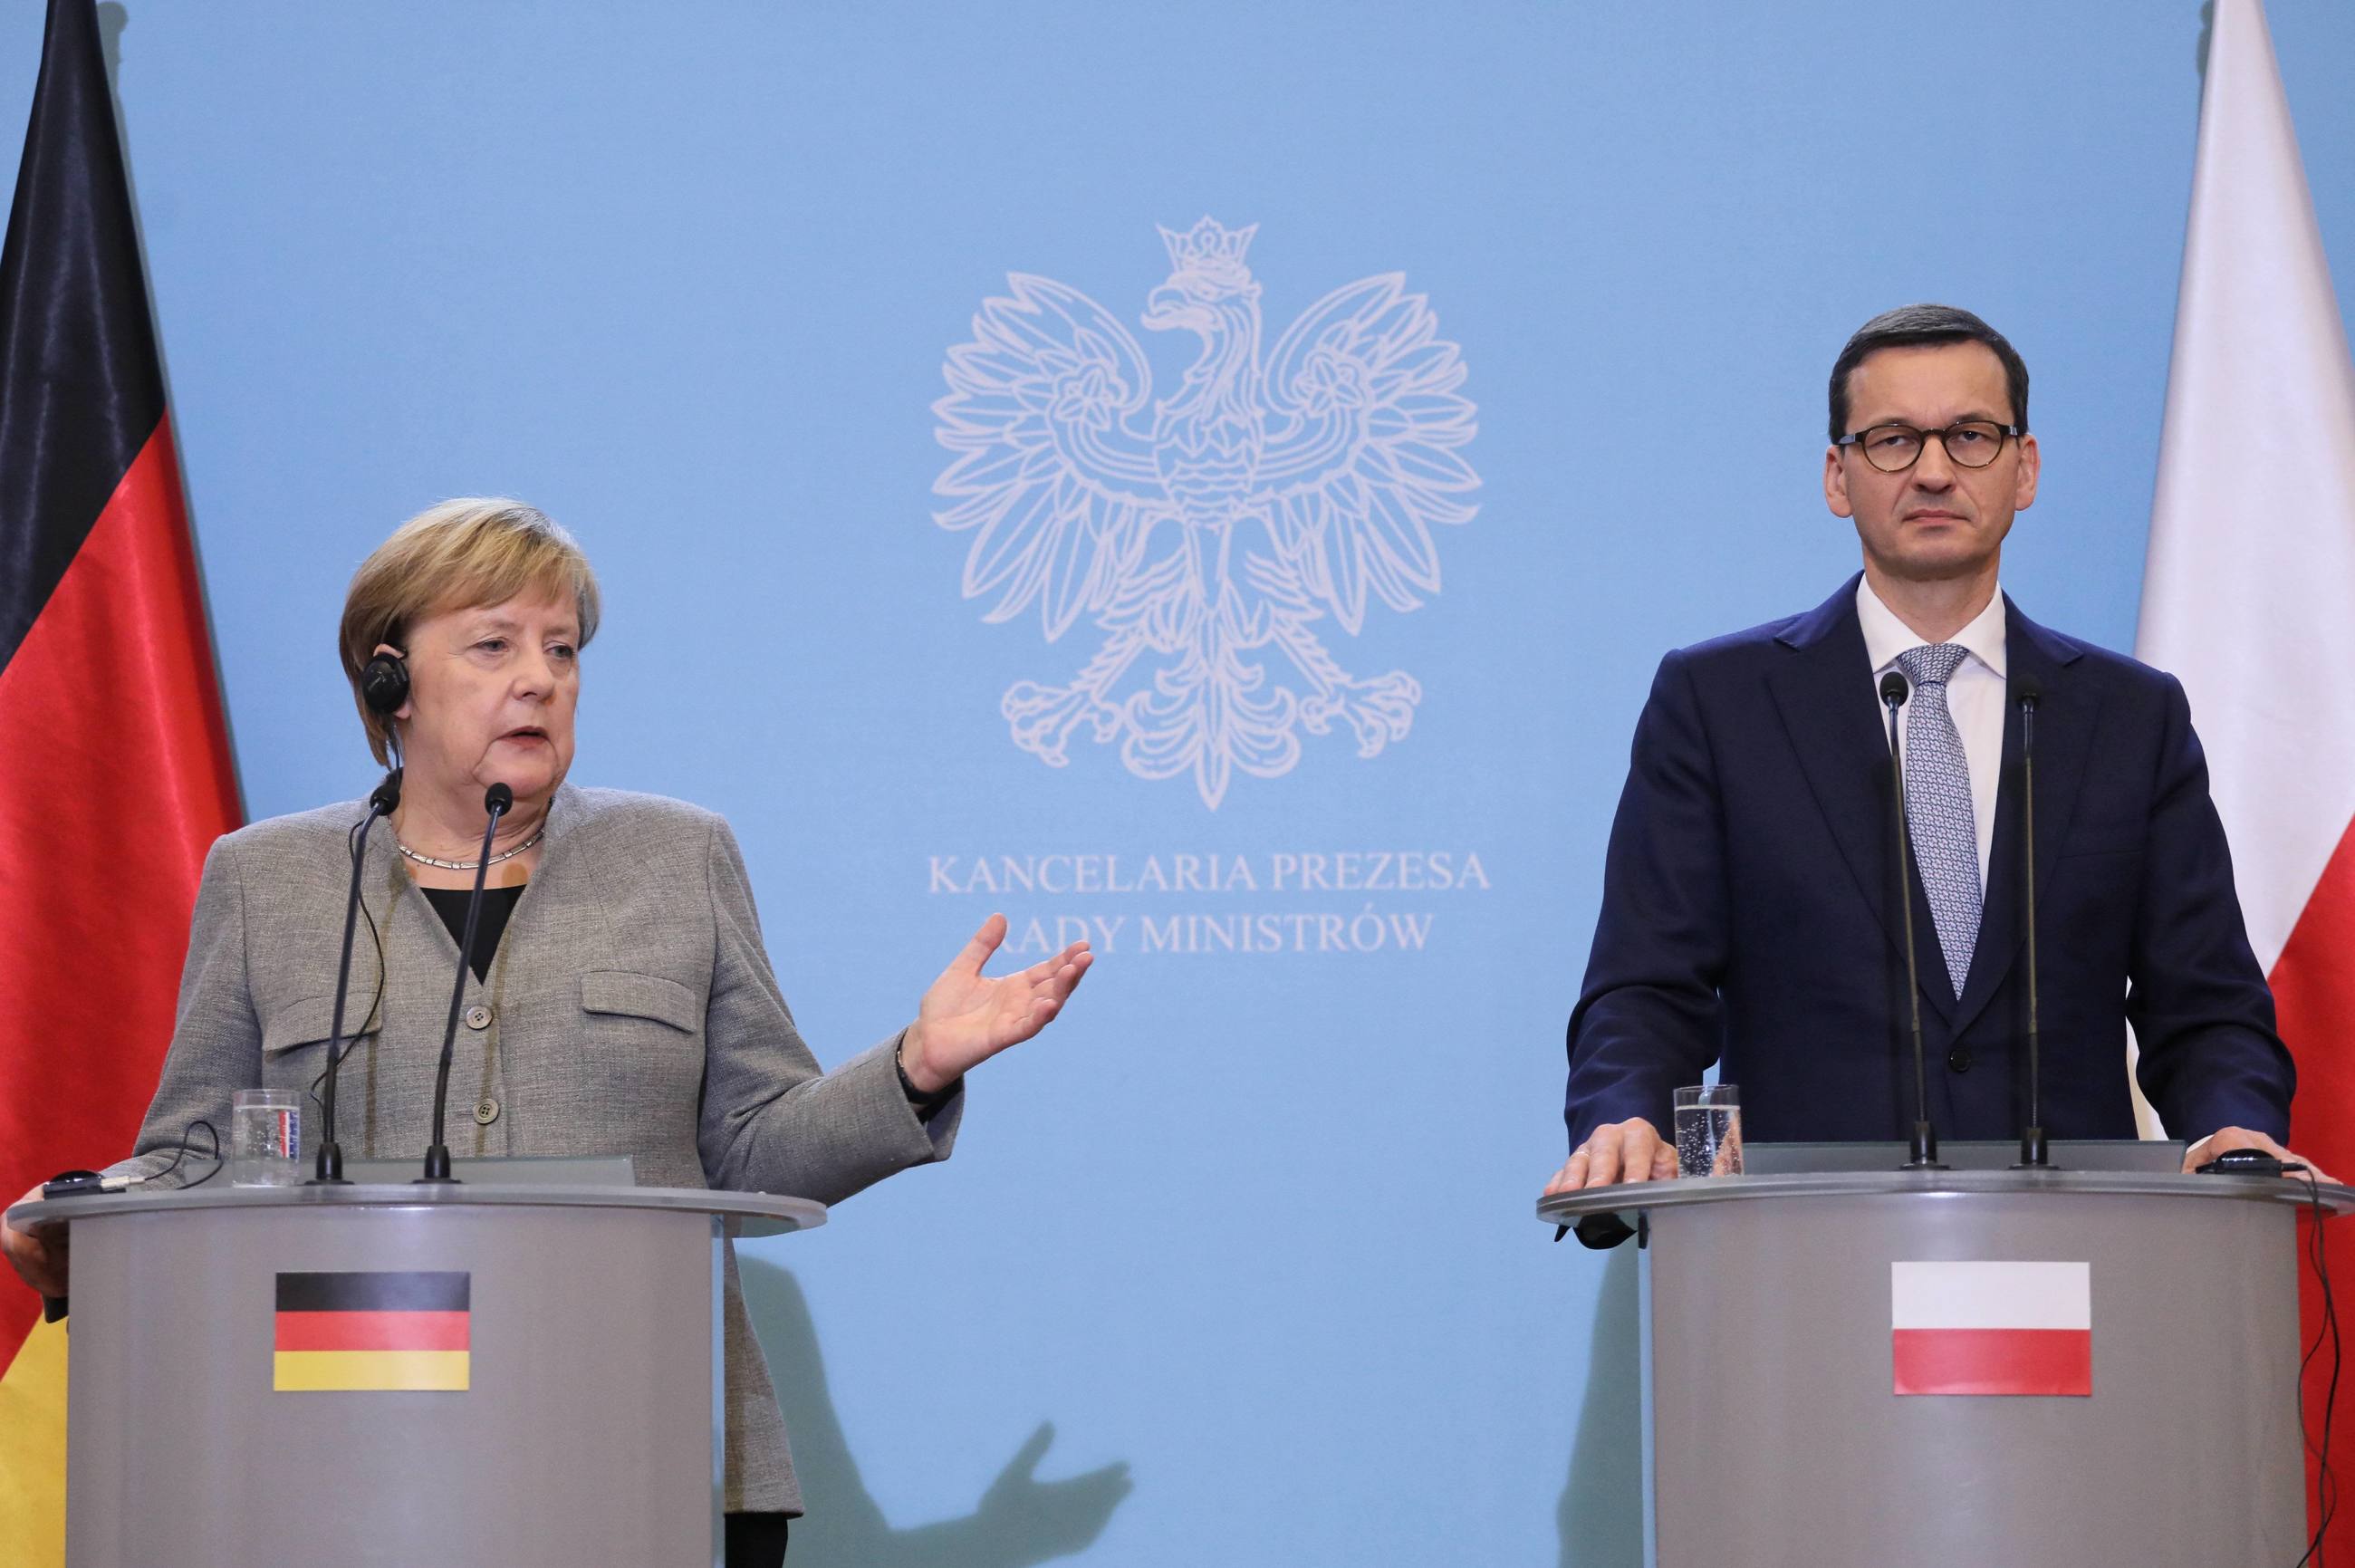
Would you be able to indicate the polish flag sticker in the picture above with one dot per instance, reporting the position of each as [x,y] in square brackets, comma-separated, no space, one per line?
[1990,1328]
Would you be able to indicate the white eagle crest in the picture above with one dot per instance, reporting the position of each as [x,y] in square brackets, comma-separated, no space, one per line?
[1208,536]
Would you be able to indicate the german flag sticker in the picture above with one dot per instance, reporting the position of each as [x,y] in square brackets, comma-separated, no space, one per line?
[372,1331]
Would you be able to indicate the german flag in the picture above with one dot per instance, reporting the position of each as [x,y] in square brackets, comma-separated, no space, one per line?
[114,761]
[372,1331]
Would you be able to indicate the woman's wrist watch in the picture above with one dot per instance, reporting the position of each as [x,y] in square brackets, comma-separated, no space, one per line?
[917,1097]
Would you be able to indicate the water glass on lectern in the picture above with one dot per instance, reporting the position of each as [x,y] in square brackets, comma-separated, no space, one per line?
[265,1137]
[1708,1130]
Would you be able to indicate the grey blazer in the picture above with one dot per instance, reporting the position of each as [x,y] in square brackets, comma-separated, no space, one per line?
[631,1011]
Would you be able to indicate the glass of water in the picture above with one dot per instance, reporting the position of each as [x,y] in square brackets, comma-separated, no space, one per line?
[265,1145]
[1708,1130]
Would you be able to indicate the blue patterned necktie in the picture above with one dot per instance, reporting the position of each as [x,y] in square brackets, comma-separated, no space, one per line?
[1938,804]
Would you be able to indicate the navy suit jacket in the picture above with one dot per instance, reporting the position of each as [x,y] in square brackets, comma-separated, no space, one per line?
[1750,917]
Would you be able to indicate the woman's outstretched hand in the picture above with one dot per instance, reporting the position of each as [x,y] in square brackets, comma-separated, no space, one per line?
[967,1017]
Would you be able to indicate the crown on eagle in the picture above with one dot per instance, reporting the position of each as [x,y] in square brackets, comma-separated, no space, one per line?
[1210,250]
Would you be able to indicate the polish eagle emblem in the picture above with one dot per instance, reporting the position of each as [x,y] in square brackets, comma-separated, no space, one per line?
[1213,535]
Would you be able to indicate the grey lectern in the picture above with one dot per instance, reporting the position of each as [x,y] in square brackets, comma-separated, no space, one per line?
[519,1375]
[1777,1435]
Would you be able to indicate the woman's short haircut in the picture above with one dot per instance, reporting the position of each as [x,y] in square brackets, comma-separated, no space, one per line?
[1909,324]
[475,550]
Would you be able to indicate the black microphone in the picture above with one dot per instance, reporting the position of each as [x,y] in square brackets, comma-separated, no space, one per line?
[1923,1156]
[2028,691]
[329,1166]
[498,800]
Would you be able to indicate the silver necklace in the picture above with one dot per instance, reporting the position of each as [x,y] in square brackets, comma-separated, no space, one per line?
[471,865]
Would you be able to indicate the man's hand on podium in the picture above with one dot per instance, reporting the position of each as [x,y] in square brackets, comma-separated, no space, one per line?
[2226,1138]
[1623,1151]
[38,1258]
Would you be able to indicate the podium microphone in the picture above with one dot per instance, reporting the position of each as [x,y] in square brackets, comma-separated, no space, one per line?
[498,800]
[329,1168]
[2028,691]
[1923,1154]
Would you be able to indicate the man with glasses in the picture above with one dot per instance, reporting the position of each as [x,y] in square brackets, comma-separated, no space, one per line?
[1750,909]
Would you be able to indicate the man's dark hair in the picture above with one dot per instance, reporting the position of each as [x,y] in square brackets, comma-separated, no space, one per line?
[1912,324]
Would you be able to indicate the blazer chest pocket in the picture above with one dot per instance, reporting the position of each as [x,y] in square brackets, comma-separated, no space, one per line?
[295,1043]
[622,993]
[310,1021]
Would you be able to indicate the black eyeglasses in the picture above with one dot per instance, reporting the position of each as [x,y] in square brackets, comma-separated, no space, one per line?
[1894,448]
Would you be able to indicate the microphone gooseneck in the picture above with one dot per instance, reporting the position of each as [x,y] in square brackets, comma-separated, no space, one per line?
[497,801]
[2027,693]
[329,1166]
[1924,1152]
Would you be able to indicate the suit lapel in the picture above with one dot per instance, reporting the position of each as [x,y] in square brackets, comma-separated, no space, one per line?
[2066,717]
[1823,689]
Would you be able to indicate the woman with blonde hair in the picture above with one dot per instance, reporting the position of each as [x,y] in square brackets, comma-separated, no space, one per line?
[620,998]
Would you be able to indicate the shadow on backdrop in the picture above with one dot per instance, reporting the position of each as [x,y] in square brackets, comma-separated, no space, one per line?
[1020,1521]
[1601,1509]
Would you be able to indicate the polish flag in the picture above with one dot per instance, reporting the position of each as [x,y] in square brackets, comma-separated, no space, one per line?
[1990,1328]
[2249,595]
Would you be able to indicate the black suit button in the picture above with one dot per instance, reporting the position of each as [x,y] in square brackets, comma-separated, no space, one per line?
[1960,1059]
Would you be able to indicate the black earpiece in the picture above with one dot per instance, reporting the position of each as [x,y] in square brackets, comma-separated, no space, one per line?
[384,683]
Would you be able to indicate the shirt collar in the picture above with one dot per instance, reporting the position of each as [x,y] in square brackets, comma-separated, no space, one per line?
[1886,636]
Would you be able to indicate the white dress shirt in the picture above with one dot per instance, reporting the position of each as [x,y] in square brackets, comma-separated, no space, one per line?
[1974,695]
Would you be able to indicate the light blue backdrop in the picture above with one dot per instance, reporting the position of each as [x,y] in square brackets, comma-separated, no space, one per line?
[1256,1225]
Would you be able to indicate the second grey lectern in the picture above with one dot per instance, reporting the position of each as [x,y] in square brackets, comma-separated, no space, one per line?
[527,1376]
[1784,1314]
